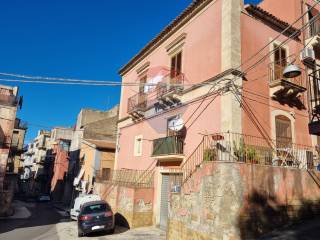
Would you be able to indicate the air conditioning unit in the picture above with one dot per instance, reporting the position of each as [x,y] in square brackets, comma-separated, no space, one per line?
[307,56]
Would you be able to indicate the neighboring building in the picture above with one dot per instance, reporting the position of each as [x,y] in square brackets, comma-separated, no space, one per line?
[93,144]
[17,146]
[9,103]
[46,161]
[60,168]
[35,162]
[97,158]
[60,146]
[186,110]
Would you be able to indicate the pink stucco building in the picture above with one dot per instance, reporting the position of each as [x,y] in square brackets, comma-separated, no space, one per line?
[212,72]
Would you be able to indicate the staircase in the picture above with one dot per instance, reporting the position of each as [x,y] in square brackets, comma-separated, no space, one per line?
[235,147]
[203,152]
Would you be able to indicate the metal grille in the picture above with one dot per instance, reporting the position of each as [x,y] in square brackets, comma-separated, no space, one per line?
[128,177]
[164,201]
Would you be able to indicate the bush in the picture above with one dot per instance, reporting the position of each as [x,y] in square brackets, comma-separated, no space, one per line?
[209,154]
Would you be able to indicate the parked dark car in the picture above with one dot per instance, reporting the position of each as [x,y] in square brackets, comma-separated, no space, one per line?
[95,216]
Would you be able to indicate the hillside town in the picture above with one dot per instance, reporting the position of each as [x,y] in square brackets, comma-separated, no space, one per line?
[216,135]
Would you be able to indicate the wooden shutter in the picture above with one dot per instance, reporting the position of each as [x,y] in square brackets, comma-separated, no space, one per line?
[176,65]
[280,61]
[283,132]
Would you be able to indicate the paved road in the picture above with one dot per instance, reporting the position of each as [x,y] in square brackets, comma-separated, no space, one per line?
[306,230]
[48,223]
[43,219]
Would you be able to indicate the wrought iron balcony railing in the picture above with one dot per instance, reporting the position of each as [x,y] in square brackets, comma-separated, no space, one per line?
[127,177]
[170,84]
[314,28]
[172,145]
[137,102]
[276,75]
[234,147]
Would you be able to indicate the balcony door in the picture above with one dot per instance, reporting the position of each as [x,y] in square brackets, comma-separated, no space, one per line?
[176,65]
[280,61]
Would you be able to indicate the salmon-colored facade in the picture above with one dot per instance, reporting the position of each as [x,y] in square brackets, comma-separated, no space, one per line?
[212,44]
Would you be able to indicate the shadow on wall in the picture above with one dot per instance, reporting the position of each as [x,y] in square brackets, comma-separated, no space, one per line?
[58,191]
[120,220]
[264,214]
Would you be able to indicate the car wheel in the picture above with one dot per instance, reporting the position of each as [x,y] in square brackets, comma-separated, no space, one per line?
[111,231]
[80,234]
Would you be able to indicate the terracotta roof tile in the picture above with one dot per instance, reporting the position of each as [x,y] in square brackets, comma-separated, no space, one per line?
[271,20]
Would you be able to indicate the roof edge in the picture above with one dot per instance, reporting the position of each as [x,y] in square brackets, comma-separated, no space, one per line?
[195,7]
[271,20]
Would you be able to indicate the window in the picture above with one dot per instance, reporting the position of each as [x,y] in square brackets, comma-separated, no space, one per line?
[280,61]
[138,146]
[176,65]
[314,28]
[96,208]
[106,173]
[283,132]
[142,82]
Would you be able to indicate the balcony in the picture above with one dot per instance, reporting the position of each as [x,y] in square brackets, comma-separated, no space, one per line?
[284,89]
[169,90]
[314,97]
[314,29]
[137,105]
[168,148]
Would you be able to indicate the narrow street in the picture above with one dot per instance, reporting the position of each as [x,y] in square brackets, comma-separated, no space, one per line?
[307,230]
[46,222]
[43,220]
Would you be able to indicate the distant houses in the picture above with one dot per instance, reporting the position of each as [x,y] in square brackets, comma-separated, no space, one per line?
[63,162]
[12,134]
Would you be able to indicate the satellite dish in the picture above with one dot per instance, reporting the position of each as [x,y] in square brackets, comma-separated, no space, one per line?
[176,124]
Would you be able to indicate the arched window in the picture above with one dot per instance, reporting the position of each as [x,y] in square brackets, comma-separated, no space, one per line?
[283,131]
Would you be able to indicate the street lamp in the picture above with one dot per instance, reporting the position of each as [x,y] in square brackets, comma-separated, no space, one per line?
[291,71]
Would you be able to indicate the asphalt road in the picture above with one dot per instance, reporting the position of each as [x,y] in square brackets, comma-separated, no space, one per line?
[42,221]
[306,230]
[48,223]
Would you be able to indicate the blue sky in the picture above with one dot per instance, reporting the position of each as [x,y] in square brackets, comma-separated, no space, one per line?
[75,39]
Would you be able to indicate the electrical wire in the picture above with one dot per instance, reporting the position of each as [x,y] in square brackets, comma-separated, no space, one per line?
[47,80]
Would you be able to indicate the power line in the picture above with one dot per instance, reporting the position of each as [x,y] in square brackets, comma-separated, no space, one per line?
[280,34]
[73,81]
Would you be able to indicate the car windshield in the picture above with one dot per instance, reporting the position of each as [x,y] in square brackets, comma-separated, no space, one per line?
[96,208]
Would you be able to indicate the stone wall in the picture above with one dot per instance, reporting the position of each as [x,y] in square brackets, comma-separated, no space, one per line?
[238,201]
[132,206]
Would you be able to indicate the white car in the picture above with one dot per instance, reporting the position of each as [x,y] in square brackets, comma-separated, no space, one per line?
[79,201]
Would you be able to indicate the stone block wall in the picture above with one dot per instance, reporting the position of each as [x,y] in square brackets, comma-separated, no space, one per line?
[133,206]
[240,201]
